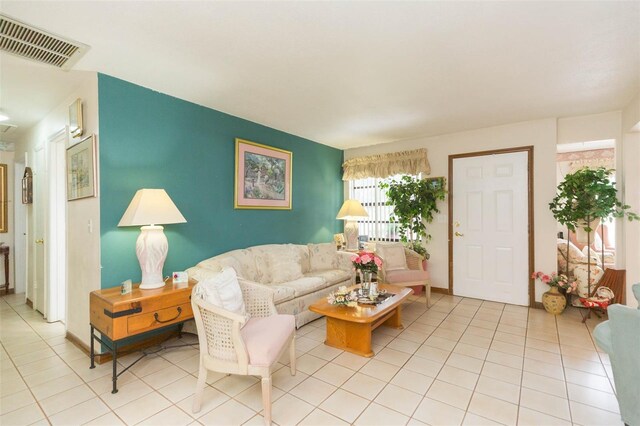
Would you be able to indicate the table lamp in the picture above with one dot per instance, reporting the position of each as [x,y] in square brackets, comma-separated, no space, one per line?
[350,212]
[149,208]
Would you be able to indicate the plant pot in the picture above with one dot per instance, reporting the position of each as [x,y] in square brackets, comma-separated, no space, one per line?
[583,236]
[553,301]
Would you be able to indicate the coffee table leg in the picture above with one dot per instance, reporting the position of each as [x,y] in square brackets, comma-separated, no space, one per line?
[349,336]
[395,320]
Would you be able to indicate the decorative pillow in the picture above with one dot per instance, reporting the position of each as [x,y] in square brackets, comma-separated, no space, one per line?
[322,256]
[392,255]
[222,290]
[575,256]
[595,256]
[285,268]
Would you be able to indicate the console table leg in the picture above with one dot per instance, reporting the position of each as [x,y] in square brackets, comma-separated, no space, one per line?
[92,353]
[114,355]
[180,330]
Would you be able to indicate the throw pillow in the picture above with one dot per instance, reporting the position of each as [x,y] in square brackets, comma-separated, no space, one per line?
[223,290]
[285,268]
[322,256]
[392,256]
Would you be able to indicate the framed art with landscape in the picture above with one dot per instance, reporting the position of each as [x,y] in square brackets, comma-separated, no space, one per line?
[263,177]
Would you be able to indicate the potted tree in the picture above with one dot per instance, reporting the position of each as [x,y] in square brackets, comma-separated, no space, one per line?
[585,198]
[415,202]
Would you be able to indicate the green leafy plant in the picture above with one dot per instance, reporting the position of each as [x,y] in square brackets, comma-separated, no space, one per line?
[585,195]
[415,202]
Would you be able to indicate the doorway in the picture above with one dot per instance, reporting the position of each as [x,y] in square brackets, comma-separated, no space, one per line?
[491,225]
[46,234]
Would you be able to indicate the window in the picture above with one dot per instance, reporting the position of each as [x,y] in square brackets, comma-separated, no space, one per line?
[377,226]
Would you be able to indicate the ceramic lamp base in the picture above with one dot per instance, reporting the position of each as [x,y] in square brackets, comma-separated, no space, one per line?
[151,247]
[351,234]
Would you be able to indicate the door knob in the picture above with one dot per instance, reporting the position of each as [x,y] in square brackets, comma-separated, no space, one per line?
[458,234]
[41,241]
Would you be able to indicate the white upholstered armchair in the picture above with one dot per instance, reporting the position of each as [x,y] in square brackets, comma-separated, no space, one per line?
[234,343]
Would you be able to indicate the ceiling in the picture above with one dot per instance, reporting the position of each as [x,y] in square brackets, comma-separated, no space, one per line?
[344,74]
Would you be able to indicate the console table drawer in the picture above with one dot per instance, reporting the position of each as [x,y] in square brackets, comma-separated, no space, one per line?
[160,318]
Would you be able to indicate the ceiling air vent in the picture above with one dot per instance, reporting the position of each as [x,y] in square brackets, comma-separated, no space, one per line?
[37,45]
[6,128]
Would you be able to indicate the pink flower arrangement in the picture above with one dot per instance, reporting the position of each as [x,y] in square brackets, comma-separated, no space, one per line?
[366,261]
[555,280]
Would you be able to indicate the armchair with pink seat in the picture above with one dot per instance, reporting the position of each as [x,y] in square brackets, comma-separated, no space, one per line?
[244,336]
[402,267]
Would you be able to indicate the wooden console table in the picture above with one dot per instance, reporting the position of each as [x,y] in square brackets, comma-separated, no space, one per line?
[118,316]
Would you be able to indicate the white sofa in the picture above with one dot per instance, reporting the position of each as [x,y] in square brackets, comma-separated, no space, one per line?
[298,274]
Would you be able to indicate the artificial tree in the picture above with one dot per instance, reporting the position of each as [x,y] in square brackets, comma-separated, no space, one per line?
[583,197]
[414,203]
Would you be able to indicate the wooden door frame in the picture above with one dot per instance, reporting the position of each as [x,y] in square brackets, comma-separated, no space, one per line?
[529,151]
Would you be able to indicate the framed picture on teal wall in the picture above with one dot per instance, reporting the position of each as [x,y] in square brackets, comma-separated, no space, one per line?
[263,177]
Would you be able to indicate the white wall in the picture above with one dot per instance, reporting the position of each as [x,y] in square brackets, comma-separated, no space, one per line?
[631,191]
[83,245]
[541,134]
[585,128]
[6,157]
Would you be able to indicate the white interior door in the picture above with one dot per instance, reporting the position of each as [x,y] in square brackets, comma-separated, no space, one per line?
[39,203]
[490,227]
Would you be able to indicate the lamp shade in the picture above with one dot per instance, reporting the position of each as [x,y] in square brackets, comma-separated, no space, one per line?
[151,207]
[352,210]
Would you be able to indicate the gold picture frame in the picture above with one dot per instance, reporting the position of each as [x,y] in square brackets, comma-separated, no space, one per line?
[263,177]
[75,119]
[4,219]
[81,169]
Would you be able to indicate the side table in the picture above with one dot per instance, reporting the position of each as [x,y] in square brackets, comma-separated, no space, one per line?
[118,316]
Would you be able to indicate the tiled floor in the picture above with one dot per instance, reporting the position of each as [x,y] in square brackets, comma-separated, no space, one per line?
[463,361]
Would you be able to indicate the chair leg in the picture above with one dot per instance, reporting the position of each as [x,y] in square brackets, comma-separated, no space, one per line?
[292,356]
[197,397]
[266,399]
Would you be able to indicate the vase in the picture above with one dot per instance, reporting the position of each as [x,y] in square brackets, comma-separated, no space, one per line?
[365,282]
[553,301]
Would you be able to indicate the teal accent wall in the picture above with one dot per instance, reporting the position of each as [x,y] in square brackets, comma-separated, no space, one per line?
[151,140]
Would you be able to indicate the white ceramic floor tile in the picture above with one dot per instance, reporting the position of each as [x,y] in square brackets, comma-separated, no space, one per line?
[528,417]
[345,405]
[142,408]
[378,415]
[319,417]
[252,397]
[314,391]
[587,415]
[333,374]
[493,409]
[289,410]
[450,394]
[229,413]
[172,416]
[399,399]
[437,413]
[410,380]
[81,413]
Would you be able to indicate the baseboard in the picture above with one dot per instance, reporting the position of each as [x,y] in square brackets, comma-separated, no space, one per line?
[29,303]
[125,350]
[439,290]
[538,305]
[77,342]
[6,292]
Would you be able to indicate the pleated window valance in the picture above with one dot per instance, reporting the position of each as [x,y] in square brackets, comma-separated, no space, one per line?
[385,165]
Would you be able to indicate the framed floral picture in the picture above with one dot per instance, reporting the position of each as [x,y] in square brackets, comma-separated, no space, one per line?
[263,177]
[81,169]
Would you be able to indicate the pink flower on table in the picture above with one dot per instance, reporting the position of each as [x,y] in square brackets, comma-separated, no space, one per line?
[356,259]
[366,258]
[378,261]
[545,278]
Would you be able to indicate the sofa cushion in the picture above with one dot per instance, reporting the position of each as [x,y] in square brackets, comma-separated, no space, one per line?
[265,337]
[331,276]
[406,276]
[222,290]
[262,256]
[282,293]
[392,254]
[305,285]
[284,267]
[322,256]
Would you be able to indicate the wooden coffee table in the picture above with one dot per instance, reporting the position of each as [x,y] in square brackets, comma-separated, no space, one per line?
[349,328]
